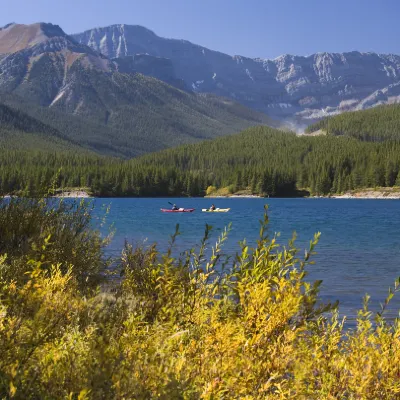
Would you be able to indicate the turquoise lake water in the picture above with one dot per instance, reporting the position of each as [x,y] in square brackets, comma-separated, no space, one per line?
[358,252]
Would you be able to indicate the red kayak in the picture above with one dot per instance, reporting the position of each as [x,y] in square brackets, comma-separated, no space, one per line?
[179,210]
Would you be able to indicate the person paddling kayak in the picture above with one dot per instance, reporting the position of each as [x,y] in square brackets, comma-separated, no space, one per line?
[212,208]
[174,207]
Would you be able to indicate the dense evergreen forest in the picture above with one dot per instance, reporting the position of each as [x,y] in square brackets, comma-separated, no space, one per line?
[376,124]
[261,160]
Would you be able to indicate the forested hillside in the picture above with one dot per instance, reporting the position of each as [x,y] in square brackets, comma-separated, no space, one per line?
[261,160]
[376,124]
[135,130]
[159,117]
[20,131]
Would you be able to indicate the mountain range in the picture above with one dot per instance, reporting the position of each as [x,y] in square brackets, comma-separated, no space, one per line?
[124,91]
[299,88]
[108,105]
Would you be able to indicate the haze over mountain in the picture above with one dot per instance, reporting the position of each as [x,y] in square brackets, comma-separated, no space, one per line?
[118,110]
[288,87]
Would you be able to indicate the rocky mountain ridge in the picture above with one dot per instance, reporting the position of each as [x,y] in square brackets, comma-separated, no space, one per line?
[300,88]
[123,107]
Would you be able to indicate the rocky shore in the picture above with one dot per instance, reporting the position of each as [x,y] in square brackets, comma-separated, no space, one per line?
[73,194]
[381,193]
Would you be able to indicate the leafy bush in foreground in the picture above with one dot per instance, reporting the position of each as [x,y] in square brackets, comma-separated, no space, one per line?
[190,328]
[53,232]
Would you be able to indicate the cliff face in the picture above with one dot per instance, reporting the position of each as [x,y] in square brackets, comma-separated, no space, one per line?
[157,67]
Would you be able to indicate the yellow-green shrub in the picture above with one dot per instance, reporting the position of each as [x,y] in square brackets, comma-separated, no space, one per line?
[191,328]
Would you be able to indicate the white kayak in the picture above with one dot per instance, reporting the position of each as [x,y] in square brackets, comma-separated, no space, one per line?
[216,210]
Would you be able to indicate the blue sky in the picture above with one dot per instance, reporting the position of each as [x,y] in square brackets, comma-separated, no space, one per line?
[253,28]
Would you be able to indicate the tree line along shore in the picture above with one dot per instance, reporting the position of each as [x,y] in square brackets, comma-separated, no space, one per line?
[260,161]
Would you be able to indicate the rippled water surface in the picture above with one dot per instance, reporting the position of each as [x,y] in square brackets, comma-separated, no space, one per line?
[358,253]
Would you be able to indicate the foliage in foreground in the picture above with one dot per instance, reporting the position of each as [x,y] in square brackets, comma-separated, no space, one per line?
[51,232]
[189,328]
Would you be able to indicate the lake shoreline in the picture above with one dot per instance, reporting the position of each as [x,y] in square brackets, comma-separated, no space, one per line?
[390,193]
[77,194]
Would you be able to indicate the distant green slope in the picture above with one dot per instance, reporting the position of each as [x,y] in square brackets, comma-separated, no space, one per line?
[20,131]
[145,115]
[88,134]
[376,124]
[147,107]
